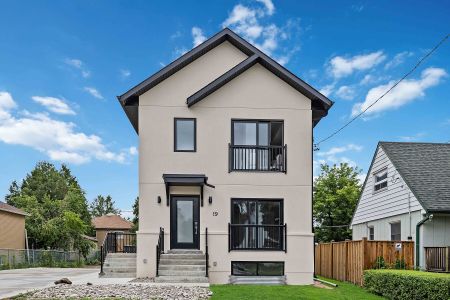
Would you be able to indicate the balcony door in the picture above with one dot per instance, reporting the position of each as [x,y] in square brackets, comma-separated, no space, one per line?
[257,144]
[184,222]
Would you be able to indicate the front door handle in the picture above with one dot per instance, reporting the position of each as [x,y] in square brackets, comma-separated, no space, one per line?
[195,227]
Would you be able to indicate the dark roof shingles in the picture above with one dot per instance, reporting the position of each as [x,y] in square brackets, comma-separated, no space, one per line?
[12,209]
[425,167]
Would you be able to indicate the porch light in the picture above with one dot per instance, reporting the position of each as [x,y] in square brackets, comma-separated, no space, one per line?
[210,200]
[159,199]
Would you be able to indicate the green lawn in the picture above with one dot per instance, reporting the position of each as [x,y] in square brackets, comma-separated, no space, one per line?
[244,292]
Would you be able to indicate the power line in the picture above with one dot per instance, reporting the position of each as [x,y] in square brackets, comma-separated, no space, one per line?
[316,145]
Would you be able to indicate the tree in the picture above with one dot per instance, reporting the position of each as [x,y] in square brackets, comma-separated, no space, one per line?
[102,206]
[336,193]
[135,215]
[57,205]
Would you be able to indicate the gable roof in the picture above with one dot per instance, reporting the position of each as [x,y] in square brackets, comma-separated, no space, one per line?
[130,99]
[425,167]
[111,221]
[12,209]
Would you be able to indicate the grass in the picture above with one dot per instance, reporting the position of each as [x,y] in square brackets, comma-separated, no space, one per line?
[244,292]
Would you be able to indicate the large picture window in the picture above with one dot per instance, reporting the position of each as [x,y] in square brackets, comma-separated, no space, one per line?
[185,135]
[257,224]
[257,145]
[257,268]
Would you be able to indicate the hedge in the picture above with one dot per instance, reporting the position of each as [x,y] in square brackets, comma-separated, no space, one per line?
[405,284]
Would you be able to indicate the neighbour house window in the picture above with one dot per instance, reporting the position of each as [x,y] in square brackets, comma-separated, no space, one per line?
[396,231]
[256,224]
[257,145]
[380,180]
[185,135]
[257,268]
[371,233]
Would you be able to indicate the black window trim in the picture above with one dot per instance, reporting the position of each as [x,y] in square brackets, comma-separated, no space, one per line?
[175,134]
[257,121]
[257,262]
[281,200]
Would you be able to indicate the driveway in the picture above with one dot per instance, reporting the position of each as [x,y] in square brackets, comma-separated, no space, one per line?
[14,282]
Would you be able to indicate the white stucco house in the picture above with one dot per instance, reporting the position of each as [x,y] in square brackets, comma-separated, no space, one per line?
[225,167]
[406,196]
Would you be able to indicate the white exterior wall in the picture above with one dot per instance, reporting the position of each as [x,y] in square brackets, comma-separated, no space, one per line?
[255,94]
[396,200]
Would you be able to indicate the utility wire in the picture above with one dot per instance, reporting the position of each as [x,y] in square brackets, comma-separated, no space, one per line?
[316,145]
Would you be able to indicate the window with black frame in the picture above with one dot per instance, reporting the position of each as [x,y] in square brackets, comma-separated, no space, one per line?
[257,224]
[257,145]
[257,268]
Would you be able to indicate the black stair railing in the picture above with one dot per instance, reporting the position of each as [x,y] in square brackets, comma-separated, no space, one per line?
[159,248]
[206,251]
[116,242]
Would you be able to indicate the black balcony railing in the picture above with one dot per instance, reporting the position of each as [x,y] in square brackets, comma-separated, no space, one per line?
[257,158]
[257,237]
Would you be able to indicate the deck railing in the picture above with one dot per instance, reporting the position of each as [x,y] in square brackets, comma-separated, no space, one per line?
[117,242]
[437,259]
[159,248]
[257,158]
[257,237]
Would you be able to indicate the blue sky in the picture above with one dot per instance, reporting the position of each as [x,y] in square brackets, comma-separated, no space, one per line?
[63,62]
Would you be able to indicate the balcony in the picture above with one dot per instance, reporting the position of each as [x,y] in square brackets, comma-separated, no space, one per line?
[257,237]
[257,158]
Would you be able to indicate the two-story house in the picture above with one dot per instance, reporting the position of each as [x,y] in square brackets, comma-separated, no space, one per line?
[225,167]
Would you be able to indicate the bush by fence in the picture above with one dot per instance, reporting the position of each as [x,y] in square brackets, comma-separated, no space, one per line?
[28,258]
[405,284]
[346,261]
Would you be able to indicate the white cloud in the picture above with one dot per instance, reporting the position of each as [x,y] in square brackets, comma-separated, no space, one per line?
[180,51]
[78,64]
[346,92]
[332,156]
[93,91]
[337,150]
[327,90]
[55,105]
[398,59]
[270,8]
[124,73]
[198,36]
[59,140]
[252,23]
[405,92]
[413,138]
[133,150]
[340,66]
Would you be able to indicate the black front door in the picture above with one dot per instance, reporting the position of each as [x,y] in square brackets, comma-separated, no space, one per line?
[184,222]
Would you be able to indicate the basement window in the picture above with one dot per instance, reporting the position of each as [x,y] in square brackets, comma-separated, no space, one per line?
[380,180]
[257,268]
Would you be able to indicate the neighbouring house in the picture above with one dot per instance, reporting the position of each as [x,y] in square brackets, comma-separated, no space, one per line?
[406,196]
[12,227]
[109,223]
[225,166]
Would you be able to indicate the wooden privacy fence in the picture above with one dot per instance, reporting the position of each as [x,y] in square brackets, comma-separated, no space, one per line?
[346,261]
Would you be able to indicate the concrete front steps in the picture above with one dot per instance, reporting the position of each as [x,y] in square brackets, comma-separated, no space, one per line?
[119,265]
[182,266]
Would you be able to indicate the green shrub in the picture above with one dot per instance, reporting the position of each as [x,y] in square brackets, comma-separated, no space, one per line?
[405,284]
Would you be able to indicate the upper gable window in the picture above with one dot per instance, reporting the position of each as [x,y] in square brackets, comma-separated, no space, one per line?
[185,135]
[380,180]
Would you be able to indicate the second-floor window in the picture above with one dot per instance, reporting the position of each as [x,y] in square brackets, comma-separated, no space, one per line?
[257,145]
[185,135]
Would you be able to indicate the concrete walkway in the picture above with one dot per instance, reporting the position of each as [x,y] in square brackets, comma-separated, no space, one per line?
[14,282]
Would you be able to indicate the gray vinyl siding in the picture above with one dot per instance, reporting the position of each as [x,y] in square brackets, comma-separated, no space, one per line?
[382,227]
[437,232]
[392,201]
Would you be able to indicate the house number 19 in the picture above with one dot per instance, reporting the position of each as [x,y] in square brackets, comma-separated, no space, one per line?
[215,213]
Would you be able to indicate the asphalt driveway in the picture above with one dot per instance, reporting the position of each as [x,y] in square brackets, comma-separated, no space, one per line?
[14,282]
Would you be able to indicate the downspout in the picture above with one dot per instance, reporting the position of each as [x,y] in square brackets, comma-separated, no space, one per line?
[421,222]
